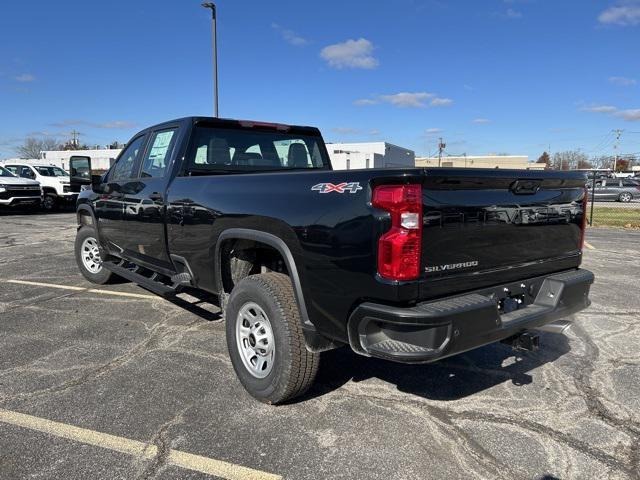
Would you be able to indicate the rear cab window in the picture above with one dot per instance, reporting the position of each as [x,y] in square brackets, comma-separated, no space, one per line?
[217,149]
[159,153]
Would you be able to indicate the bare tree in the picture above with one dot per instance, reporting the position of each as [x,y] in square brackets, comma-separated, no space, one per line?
[568,160]
[33,146]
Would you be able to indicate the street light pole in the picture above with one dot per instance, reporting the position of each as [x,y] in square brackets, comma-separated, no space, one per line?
[214,44]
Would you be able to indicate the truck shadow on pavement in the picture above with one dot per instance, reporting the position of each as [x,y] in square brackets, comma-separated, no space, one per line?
[449,379]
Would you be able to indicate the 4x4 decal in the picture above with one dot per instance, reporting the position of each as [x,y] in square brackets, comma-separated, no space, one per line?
[351,187]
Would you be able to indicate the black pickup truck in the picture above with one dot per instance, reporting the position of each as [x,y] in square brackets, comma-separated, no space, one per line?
[410,265]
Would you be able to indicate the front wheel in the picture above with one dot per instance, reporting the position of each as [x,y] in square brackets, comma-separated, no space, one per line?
[88,258]
[625,197]
[50,202]
[265,339]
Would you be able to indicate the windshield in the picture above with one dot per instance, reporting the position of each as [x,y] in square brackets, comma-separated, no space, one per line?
[6,173]
[51,172]
[216,149]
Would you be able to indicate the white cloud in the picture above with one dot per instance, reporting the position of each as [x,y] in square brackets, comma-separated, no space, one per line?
[622,81]
[345,130]
[290,36]
[630,115]
[115,124]
[511,13]
[350,54]
[481,121]
[407,100]
[363,102]
[624,14]
[441,102]
[599,109]
[433,131]
[24,78]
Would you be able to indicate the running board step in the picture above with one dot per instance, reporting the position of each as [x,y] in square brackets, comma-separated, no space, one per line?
[181,279]
[145,282]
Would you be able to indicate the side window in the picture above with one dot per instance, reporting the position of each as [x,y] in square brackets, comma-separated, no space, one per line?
[158,154]
[13,170]
[125,167]
[26,172]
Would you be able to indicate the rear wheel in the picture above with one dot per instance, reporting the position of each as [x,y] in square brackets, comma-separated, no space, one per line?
[265,339]
[88,257]
[625,197]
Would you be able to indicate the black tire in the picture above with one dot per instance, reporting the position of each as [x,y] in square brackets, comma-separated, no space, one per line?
[103,275]
[50,203]
[294,367]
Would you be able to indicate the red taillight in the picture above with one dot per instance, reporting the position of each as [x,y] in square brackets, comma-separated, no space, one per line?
[585,203]
[400,247]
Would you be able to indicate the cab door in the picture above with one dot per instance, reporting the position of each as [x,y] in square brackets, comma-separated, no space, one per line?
[109,206]
[144,202]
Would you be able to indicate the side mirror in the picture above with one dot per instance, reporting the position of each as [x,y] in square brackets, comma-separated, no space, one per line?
[80,169]
[96,182]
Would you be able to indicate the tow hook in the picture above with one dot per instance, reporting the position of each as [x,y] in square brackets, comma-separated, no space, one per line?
[524,341]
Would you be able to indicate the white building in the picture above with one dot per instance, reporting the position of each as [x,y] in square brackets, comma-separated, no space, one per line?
[477,161]
[101,159]
[350,156]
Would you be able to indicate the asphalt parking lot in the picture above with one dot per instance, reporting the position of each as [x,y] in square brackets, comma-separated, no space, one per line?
[115,383]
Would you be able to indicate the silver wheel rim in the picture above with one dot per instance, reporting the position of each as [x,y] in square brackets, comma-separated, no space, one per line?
[254,338]
[90,255]
[625,197]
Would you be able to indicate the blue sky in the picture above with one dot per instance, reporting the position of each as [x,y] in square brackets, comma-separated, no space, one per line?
[512,76]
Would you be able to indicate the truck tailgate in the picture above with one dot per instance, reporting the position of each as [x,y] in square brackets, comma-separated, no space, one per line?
[483,227]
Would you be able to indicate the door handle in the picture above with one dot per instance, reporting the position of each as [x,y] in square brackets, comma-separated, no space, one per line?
[155,196]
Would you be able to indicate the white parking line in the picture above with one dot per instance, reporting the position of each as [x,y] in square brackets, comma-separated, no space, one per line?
[135,448]
[81,289]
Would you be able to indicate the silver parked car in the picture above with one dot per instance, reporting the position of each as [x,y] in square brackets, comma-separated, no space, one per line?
[618,189]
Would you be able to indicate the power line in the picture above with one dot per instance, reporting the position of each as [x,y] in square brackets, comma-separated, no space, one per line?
[606,142]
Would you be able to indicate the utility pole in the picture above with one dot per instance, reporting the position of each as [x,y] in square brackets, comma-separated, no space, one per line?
[618,132]
[441,147]
[214,44]
[74,138]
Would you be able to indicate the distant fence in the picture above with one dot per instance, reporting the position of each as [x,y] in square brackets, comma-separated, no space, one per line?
[614,202]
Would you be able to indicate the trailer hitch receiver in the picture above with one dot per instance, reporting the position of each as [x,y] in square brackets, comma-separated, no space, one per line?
[524,341]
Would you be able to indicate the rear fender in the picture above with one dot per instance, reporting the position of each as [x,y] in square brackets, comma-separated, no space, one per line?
[314,341]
